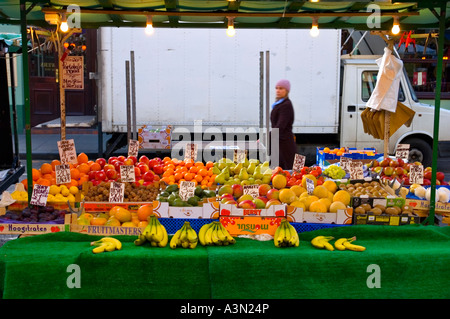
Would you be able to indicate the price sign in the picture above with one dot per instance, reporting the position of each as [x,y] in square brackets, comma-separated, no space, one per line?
[356,170]
[62,173]
[116,192]
[187,190]
[299,162]
[127,173]
[67,152]
[345,163]
[39,195]
[239,156]
[133,148]
[416,174]
[309,186]
[402,151]
[190,151]
[253,190]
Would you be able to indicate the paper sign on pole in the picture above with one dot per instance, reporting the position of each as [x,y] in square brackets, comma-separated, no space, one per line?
[416,174]
[133,148]
[356,170]
[402,151]
[67,151]
[239,156]
[73,73]
[190,152]
[187,190]
[127,173]
[299,163]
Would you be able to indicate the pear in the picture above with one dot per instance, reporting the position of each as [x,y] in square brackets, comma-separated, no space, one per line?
[264,166]
[246,162]
[254,160]
[221,178]
[238,168]
[251,168]
[266,178]
[243,175]
[226,172]
[257,174]
[216,170]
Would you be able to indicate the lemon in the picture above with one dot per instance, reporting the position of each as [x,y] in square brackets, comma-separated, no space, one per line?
[65,191]
[320,191]
[54,189]
[327,202]
[342,196]
[279,181]
[299,204]
[73,190]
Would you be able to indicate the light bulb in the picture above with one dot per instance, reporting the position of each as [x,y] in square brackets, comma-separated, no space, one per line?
[149,28]
[231,31]
[64,27]
[395,26]
[314,32]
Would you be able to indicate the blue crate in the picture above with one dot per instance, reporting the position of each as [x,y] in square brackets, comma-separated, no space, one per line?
[305,227]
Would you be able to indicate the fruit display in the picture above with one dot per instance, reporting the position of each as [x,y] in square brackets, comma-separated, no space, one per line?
[379,209]
[171,195]
[19,195]
[118,216]
[286,235]
[371,189]
[134,192]
[248,172]
[215,234]
[323,242]
[175,171]
[442,193]
[298,178]
[33,215]
[154,233]
[185,237]
[334,172]
[106,244]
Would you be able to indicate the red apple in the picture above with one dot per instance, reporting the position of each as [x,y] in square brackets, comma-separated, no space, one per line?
[128,161]
[143,167]
[108,166]
[101,161]
[238,190]
[405,180]
[144,159]
[137,172]
[111,174]
[133,158]
[394,163]
[401,162]
[117,165]
[440,176]
[399,171]
[385,162]
[273,194]
[121,158]
[427,174]
[158,169]
[91,175]
[111,159]
[263,189]
[388,170]
[426,181]
[148,176]
[248,204]
[100,175]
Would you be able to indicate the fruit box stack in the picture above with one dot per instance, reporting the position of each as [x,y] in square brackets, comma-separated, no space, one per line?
[370,218]
[209,209]
[324,159]
[341,217]
[155,139]
[242,221]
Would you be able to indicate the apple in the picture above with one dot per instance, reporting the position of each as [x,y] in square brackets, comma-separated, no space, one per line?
[259,203]
[101,161]
[405,180]
[393,163]
[407,166]
[158,169]
[111,174]
[91,175]
[427,174]
[247,203]
[440,176]
[148,177]
[121,158]
[273,194]
[400,171]
[95,182]
[238,190]
[144,159]
[133,158]
[385,162]
[143,167]
[137,172]
[112,159]
[426,181]
[128,161]
[375,163]
[263,189]
[117,165]
[388,170]
[100,175]
[263,198]
[401,162]
[271,202]
[108,166]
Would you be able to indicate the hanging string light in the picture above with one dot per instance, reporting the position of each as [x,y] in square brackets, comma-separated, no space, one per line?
[64,27]
[314,32]
[230,30]
[396,26]
[149,27]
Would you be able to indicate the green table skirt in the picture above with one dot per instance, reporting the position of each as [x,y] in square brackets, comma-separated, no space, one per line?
[399,262]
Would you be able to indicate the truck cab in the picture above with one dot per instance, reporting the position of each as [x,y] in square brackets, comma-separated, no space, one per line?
[358,79]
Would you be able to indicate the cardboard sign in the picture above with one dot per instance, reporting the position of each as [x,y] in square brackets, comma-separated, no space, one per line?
[116,192]
[187,190]
[253,190]
[345,163]
[73,73]
[133,148]
[62,173]
[402,151]
[190,151]
[67,152]
[239,156]
[127,173]
[39,195]
[356,170]
[299,162]
[416,174]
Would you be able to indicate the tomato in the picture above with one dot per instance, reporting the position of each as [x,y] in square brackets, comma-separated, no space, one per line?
[297,175]
[291,182]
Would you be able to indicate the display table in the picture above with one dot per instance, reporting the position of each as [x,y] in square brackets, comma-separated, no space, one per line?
[413,262]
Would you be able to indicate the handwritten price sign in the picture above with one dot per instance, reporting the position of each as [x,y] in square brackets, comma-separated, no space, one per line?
[187,190]
[133,148]
[356,170]
[116,192]
[239,156]
[402,151]
[62,174]
[416,174]
[190,152]
[127,173]
[39,195]
[253,190]
[67,152]
[299,163]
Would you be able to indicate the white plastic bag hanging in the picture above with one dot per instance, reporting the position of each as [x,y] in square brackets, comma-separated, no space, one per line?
[385,93]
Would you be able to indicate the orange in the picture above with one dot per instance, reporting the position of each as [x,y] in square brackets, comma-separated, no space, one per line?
[142,223]
[198,178]
[43,181]
[188,176]
[168,172]
[54,163]
[95,167]
[25,183]
[74,173]
[84,168]
[167,159]
[144,212]
[82,180]
[46,168]
[203,172]
[193,169]
[47,176]
[188,163]
[82,158]
[36,174]
[178,176]
[209,164]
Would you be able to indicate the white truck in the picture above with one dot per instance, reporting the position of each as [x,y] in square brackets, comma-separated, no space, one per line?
[183,77]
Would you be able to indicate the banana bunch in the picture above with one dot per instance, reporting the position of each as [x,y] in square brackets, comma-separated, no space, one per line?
[185,237]
[215,234]
[106,244]
[286,235]
[323,242]
[346,243]
[155,233]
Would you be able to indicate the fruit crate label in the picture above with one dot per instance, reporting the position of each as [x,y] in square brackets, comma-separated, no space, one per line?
[116,192]
[62,173]
[127,173]
[239,156]
[39,195]
[187,190]
[345,163]
[356,170]
[416,174]
[253,190]
[67,151]
[133,148]
[402,151]
[190,151]
[299,162]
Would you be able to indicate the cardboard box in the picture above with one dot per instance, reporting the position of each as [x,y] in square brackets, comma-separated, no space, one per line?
[422,204]
[272,211]
[385,219]
[103,230]
[151,139]
[298,215]
[159,208]
[34,229]
[364,155]
[250,225]
[207,210]
[372,201]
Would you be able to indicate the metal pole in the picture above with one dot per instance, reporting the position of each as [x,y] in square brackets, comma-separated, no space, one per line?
[267,104]
[99,95]
[133,98]
[437,107]
[26,96]
[127,77]
[12,63]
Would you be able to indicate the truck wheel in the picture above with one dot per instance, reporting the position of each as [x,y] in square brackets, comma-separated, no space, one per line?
[419,151]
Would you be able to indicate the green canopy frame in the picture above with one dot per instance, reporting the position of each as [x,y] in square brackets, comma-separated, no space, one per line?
[296,14]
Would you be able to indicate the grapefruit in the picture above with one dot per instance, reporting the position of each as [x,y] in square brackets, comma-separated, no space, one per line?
[298,190]
[342,196]
[330,185]
[279,181]
[320,191]
[287,195]
[318,207]
[335,206]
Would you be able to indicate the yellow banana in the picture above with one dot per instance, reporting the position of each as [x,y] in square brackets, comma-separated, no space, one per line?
[318,241]
[348,245]
[220,233]
[339,244]
[191,235]
[175,239]
[327,245]
[202,232]
[276,235]
[99,249]
[193,245]
[294,240]
[115,241]
[287,233]
[140,240]
[146,232]
[214,236]
[165,239]
[159,232]
[208,236]
[185,244]
[183,235]
[109,246]
[281,234]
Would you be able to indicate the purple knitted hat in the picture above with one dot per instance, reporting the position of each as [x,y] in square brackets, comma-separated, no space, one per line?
[284,84]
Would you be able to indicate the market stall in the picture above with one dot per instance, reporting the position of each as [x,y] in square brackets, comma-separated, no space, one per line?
[265,219]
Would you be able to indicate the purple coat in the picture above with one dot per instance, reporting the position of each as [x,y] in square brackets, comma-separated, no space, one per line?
[282,117]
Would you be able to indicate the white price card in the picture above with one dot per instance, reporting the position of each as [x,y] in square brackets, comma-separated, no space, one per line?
[133,148]
[253,190]
[187,190]
[67,151]
[239,156]
[416,174]
[190,151]
[62,173]
[402,151]
[309,186]
[356,170]
[116,192]
[299,162]
[39,195]
[127,173]
[345,163]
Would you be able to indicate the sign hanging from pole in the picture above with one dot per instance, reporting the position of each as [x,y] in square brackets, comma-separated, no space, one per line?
[73,73]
